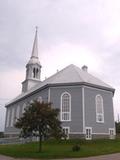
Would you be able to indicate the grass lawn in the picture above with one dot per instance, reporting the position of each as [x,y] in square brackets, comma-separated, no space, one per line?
[62,149]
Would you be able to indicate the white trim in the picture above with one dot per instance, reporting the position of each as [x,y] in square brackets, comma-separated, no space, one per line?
[101,133]
[61,107]
[64,127]
[11,132]
[49,95]
[85,86]
[80,86]
[92,133]
[97,114]
[113,117]
[94,88]
[88,137]
[76,133]
[83,108]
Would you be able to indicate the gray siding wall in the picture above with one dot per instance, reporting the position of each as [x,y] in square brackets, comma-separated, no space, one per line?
[90,110]
[76,123]
[12,129]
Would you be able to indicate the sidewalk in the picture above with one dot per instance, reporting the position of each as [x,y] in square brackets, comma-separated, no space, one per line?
[104,157]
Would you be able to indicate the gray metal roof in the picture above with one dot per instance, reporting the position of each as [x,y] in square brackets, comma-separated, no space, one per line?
[70,74]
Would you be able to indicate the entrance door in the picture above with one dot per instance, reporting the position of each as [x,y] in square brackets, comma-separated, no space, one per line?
[88,133]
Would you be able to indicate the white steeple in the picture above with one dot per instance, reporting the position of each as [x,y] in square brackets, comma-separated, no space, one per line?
[35,46]
[33,67]
[34,56]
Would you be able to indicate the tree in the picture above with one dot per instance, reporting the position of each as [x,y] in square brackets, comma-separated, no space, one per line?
[40,119]
[1,134]
[117,126]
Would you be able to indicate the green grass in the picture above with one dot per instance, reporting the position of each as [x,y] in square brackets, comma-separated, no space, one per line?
[62,149]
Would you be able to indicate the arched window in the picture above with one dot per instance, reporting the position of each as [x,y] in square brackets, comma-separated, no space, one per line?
[65,107]
[12,117]
[23,108]
[17,112]
[31,101]
[99,109]
[37,71]
[34,73]
[8,117]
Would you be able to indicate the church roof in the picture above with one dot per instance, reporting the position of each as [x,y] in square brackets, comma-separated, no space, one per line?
[69,75]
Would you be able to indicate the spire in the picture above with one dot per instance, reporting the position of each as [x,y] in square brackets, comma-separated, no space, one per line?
[34,56]
[33,68]
[35,46]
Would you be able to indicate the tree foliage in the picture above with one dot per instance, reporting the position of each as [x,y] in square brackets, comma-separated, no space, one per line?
[117,125]
[40,119]
[1,134]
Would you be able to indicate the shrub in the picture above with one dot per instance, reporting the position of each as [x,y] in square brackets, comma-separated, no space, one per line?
[76,148]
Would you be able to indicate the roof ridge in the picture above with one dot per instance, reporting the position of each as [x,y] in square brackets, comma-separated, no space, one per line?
[76,69]
[57,72]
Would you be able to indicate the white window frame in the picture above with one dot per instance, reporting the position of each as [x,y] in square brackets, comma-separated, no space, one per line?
[39,99]
[23,108]
[111,133]
[12,117]
[88,136]
[17,112]
[68,128]
[99,114]
[31,101]
[8,117]
[61,113]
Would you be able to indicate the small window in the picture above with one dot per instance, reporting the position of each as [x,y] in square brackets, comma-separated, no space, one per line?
[65,107]
[66,131]
[112,133]
[88,133]
[99,109]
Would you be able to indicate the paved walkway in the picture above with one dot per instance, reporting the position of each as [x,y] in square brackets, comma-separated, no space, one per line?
[105,157]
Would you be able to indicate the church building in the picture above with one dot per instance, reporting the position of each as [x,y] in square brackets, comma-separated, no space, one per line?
[85,102]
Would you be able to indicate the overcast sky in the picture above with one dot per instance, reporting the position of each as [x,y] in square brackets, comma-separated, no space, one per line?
[70,31]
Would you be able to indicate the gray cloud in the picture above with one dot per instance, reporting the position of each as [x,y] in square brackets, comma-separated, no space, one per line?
[86,23]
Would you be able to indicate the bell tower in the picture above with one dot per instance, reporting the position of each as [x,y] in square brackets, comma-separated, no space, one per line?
[33,68]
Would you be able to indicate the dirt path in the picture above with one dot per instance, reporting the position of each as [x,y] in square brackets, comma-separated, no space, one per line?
[105,157]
